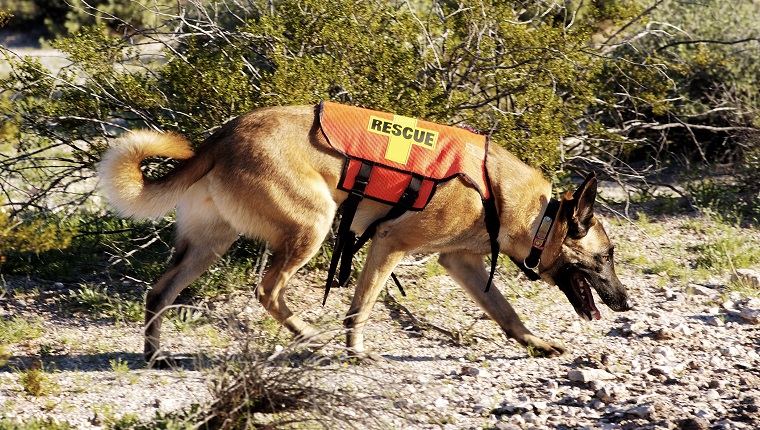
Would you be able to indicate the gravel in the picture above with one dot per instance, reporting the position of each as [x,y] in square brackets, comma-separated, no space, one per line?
[685,358]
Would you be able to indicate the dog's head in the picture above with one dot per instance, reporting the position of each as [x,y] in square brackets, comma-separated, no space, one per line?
[579,255]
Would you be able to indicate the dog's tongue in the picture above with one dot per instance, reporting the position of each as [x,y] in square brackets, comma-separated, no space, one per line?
[589,309]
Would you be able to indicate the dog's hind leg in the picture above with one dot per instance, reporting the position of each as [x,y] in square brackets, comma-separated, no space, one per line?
[468,270]
[202,236]
[287,258]
[381,259]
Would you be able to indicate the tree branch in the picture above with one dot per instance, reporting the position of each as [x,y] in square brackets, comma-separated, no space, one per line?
[717,42]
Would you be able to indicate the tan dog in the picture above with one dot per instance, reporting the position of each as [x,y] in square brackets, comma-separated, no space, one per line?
[270,174]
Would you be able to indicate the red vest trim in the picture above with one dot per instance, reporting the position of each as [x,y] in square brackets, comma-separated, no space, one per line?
[398,146]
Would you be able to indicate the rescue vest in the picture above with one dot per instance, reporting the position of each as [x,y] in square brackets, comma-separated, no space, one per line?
[399,161]
[399,147]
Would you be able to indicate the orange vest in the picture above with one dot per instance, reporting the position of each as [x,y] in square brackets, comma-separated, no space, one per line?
[399,146]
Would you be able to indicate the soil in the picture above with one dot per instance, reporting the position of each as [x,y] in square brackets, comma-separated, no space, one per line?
[685,357]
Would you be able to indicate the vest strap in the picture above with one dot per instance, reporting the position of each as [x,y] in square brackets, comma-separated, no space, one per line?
[346,238]
[405,203]
[492,227]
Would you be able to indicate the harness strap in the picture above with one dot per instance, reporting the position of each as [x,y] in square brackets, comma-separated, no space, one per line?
[406,202]
[346,238]
[492,227]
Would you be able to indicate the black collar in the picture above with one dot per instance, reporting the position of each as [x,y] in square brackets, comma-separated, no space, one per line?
[539,240]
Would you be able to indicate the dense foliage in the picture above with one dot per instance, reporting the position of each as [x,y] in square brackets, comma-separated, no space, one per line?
[564,85]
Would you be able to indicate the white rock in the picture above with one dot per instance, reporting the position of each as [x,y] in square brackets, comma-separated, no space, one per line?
[682,329]
[716,361]
[440,403]
[700,290]
[485,403]
[666,371]
[644,411]
[730,351]
[750,315]
[748,277]
[588,375]
[611,393]
[531,418]
[664,351]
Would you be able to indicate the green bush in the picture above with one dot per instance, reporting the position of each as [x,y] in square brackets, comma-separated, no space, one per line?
[597,85]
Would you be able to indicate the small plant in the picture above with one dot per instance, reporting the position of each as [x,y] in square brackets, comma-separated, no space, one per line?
[119,367]
[188,318]
[729,249]
[36,381]
[18,329]
[4,355]
[35,424]
[100,303]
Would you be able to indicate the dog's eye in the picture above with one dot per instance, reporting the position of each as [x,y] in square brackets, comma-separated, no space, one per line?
[607,257]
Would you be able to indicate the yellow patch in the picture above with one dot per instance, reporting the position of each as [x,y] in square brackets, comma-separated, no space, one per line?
[403,133]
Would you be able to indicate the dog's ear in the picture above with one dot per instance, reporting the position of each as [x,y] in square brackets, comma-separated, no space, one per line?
[580,207]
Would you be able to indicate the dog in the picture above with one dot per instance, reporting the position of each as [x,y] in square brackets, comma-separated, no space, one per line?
[270,174]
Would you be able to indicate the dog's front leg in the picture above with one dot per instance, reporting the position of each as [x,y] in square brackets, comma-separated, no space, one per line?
[469,271]
[381,259]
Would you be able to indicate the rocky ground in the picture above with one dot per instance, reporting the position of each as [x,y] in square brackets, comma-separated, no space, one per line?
[686,356]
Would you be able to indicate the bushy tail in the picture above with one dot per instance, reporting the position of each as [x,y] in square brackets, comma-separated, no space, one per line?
[130,192]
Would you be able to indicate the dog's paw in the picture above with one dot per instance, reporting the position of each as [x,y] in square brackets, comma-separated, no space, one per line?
[541,348]
[365,355]
[308,335]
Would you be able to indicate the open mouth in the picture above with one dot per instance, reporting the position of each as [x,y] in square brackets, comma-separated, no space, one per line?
[578,291]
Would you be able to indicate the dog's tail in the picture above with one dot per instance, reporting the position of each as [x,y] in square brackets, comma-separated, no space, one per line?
[136,196]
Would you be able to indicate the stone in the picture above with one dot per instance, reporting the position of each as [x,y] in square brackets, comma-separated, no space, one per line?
[716,361]
[700,290]
[682,329]
[666,371]
[532,418]
[588,375]
[611,393]
[695,423]
[501,425]
[644,411]
[664,351]
[664,333]
[631,329]
[484,403]
[715,321]
[750,315]
[730,351]
[747,277]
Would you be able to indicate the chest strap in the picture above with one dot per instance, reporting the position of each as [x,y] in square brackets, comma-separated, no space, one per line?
[345,238]
[346,244]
